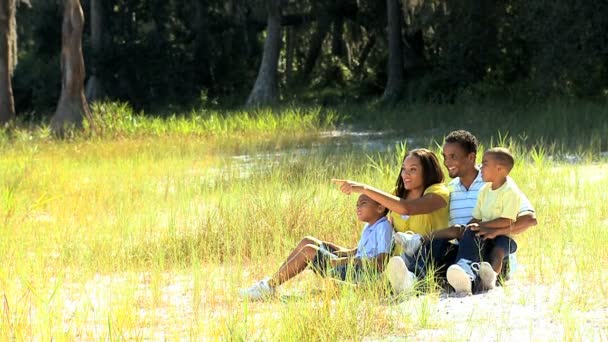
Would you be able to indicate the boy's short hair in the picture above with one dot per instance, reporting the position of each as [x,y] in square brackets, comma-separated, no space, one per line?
[465,139]
[384,213]
[503,157]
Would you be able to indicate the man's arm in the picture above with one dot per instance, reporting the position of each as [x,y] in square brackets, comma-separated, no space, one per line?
[453,232]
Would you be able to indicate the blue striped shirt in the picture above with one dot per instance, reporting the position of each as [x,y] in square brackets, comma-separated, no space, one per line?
[463,200]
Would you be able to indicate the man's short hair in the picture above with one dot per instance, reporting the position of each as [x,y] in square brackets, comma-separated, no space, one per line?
[503,157]
[465,139]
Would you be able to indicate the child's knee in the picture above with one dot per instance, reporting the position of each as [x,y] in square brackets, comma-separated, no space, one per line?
[310,240]
[498,254]
[310,248]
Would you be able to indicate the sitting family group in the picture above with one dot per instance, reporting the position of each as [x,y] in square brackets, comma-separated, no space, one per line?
[465,231]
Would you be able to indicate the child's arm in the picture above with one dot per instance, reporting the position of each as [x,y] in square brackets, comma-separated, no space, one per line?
[346,253]
[521,224]
[380,261]
[344,261]
[376,263]
[498,223]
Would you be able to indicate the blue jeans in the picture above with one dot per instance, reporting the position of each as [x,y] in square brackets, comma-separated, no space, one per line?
[475,249]
[436,254]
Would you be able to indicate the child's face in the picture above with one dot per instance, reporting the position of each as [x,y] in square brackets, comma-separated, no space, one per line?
[367,209]
[490,169]
[411,173]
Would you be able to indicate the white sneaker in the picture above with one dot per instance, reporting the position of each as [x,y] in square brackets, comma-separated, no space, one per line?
[487,276]
[400,278]
[409,241]
[259,291]
[461,276]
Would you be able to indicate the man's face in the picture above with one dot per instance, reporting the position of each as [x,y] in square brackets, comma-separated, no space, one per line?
[456,160]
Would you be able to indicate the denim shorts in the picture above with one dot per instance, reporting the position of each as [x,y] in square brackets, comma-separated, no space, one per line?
[321,264]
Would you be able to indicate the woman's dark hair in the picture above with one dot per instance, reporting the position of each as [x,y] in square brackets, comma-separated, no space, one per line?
[431,171]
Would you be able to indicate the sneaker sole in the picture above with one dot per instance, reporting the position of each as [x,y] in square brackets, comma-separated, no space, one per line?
[487,276]
[459,280]
[396,271]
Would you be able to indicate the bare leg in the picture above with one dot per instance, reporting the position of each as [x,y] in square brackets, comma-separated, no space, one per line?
[298,262]
[497,256]
[308,240]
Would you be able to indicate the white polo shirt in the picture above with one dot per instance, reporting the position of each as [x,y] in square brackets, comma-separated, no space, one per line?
[463,200]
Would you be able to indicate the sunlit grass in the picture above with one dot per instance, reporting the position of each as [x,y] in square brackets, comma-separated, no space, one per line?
[149,235]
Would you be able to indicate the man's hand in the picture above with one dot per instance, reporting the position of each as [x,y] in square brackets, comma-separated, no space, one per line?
[484,233]
[473,226]
[348,187]
[460,227]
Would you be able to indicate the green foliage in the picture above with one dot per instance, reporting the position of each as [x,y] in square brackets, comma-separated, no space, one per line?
[165,54]
[135,238]
[112,120]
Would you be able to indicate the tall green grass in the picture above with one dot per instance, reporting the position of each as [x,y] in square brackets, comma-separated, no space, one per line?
[149,235]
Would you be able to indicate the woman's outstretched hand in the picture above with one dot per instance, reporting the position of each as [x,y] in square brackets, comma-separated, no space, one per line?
[348,186]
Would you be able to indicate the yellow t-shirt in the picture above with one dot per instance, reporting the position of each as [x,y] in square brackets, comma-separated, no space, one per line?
[423,224]
[503,202]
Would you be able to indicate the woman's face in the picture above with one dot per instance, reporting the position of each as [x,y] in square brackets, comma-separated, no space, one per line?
[411,173]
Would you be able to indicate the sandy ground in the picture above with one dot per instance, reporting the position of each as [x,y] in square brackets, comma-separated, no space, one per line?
[169,306]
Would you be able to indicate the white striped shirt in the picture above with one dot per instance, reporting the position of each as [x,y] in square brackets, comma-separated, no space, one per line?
[463,200]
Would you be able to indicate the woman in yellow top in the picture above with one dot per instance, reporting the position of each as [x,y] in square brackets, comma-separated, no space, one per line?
[420,205]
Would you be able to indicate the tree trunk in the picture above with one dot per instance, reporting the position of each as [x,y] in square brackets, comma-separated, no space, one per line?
[337,41]
[72,107]
[316,43]
[8,36]
[367,49]
[394,81]
[94,88]
[289,52]
[201,44]
[265,89]
[413,52]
